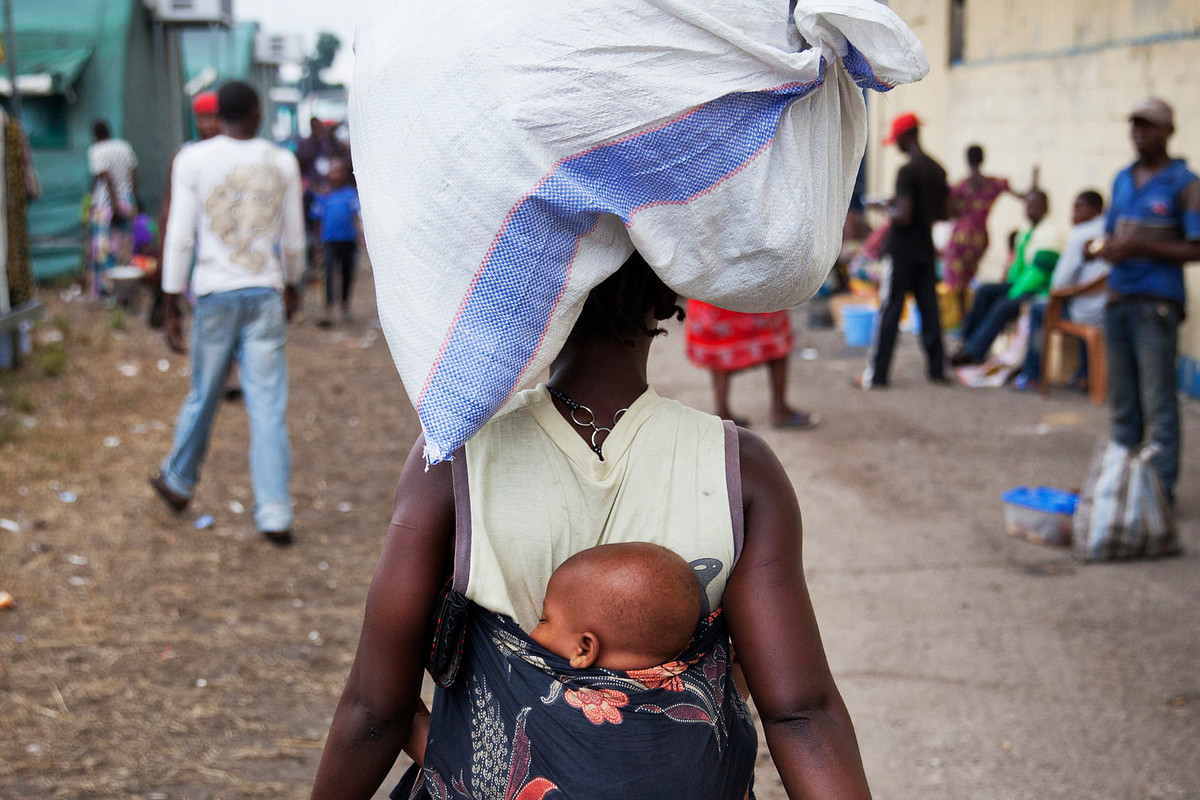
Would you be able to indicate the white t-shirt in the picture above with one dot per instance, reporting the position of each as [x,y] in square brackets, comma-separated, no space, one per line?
[238,203]
[1075,268]
[116,157]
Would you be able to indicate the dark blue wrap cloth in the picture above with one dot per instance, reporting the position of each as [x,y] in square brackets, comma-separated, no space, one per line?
[520,724]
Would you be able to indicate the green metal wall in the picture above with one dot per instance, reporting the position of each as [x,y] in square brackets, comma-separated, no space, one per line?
[117,84]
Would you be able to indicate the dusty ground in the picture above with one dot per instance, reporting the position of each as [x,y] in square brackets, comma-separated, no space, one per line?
[147,658]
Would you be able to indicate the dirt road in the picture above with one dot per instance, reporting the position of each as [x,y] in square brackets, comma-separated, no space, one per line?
[149,656]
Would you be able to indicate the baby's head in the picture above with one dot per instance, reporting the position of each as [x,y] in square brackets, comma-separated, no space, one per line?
[623,606]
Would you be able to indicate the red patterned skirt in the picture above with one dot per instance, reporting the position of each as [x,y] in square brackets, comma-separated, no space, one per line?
[731,340]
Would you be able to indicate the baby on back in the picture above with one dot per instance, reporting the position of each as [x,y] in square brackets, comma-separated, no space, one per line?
[622,606]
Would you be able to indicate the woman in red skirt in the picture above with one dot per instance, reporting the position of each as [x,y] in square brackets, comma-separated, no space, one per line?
[724,342]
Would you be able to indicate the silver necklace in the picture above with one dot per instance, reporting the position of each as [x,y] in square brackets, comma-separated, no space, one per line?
[584,417]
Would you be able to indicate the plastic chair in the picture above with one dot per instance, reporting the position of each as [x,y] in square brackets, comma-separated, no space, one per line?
[1091,335]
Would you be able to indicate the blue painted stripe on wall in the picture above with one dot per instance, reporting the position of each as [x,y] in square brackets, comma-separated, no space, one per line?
[1081,50]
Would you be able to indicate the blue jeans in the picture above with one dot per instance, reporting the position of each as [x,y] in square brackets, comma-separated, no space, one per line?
[1032,369]
[1141,337]
[246,325]
[991,310]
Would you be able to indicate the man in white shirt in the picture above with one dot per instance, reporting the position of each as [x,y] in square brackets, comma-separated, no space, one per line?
[112,165]
[235,201]
[1075,268]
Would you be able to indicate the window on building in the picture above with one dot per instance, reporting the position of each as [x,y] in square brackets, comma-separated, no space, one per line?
[958,29]
[45,121]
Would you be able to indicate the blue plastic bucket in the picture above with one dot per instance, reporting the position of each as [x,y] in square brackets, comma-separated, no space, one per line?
[857,324]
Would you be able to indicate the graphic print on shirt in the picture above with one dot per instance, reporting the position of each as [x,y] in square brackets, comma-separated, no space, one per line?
[246,206]
[706,569]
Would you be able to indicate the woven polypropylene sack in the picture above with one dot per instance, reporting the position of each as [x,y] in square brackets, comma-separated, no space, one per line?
[1123,512]
[510,155]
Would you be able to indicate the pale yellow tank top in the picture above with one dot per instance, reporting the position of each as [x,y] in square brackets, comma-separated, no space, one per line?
[530,493]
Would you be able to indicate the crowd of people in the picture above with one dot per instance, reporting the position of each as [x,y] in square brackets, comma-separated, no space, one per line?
[242,222]
[605,461]
[1118,269]
[1043,261]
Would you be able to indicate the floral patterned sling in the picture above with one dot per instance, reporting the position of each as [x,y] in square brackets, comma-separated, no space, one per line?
[519,723]
[512,721]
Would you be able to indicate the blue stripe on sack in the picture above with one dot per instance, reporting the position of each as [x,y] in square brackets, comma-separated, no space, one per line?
[505,314]
[860,71]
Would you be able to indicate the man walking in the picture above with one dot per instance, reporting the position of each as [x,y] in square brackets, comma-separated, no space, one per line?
[1154,229]
[920,200]
[236,200]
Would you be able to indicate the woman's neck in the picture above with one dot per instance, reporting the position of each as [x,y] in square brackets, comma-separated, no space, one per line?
[605,376]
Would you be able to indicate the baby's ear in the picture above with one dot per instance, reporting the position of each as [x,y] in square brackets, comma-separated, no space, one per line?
[587,650]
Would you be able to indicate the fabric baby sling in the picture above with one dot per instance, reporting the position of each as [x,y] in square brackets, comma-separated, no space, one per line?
[510,156]
[519,723]
[513,721]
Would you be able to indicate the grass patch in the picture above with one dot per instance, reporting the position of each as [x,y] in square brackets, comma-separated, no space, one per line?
[51,360]
[22,401]
[117,320]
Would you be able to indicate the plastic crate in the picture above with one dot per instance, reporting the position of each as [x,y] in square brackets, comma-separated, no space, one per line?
[1039,514]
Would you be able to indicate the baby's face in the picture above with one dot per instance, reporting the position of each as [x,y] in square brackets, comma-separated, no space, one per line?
[554,630]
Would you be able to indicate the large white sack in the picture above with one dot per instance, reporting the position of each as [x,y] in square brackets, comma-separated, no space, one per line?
[510,155]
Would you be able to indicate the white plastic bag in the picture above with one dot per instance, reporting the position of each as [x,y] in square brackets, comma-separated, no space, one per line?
[510,155]
[1123,512]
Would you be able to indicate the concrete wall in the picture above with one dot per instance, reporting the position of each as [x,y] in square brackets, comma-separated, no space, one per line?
[1049,83]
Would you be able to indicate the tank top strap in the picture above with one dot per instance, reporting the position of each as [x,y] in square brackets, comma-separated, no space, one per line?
[462,522]
[733,484]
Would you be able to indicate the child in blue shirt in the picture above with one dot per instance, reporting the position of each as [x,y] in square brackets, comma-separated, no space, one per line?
[336,212]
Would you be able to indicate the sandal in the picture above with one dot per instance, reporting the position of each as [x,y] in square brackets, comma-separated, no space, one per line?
[798,421]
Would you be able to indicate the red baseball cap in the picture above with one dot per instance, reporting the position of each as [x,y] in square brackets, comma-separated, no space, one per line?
[901,125]
[205,103]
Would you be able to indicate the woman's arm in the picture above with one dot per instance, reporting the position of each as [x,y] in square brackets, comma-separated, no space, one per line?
[778,644]
[383,692]
[1034,179]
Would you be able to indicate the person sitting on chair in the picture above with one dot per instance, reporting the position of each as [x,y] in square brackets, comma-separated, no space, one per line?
[1077,268]
[997,304]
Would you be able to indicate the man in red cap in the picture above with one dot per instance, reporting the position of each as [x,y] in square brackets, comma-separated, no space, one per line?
[1153,227]
[920,200]
[208,125]
[204,112]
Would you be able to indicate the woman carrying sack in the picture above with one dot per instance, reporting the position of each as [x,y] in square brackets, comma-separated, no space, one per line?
[531,491]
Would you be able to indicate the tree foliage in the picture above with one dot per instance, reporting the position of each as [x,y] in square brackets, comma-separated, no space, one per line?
[322,57]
